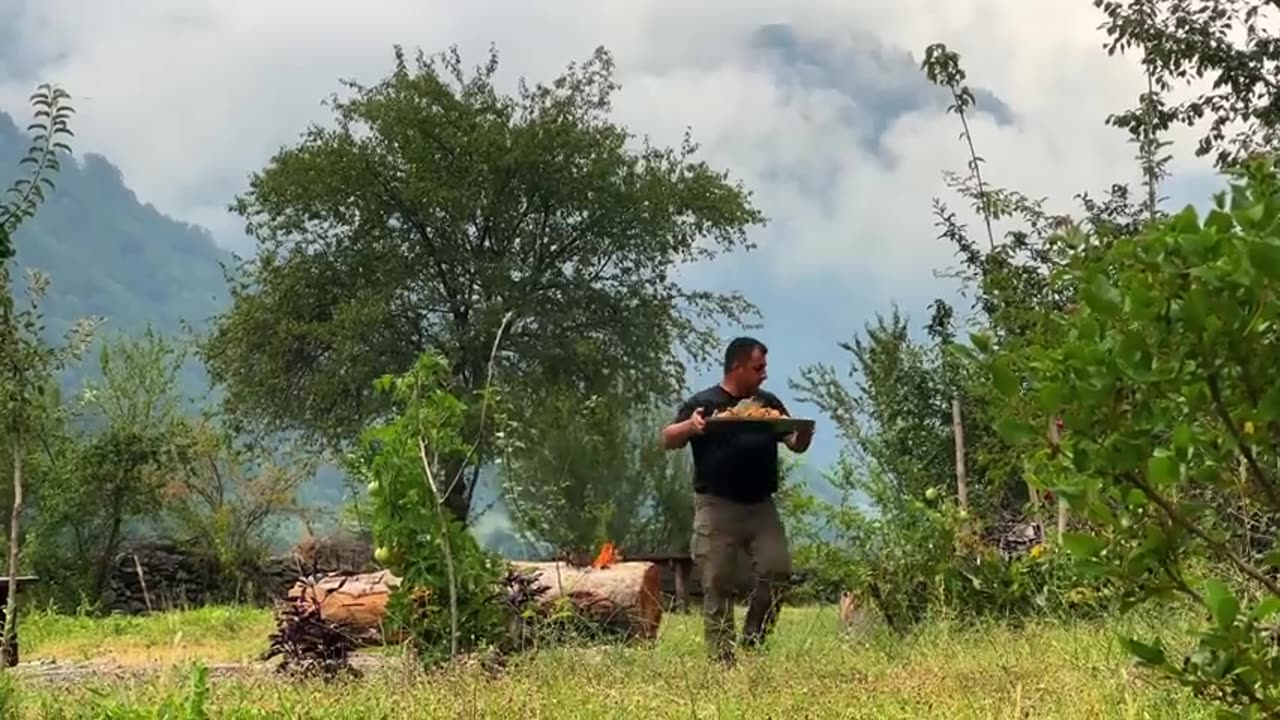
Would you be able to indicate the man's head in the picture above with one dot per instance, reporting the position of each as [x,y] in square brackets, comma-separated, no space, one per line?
[745,365]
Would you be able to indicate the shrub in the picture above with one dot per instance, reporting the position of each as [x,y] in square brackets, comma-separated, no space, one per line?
[911,556]
[1161,376]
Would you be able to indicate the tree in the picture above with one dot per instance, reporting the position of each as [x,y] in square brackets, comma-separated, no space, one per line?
[1233,42]
[225,495]
[435,209]
[896,419]
[133,412]
[588,472]
[27,364]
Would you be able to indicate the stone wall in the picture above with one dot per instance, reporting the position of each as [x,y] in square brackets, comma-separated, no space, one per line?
[163,575]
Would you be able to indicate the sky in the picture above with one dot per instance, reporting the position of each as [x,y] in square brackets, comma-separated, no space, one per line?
[817,106]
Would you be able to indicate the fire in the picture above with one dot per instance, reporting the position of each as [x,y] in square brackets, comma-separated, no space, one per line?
[608,556]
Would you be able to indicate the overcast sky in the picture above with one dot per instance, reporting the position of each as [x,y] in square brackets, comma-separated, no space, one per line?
[822,114]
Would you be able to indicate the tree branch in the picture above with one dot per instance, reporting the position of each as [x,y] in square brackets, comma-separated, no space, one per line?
[1217,546]
[444,545]
[1219,404]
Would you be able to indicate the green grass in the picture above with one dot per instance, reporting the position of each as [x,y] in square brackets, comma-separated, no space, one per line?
[808,671]
[212,634]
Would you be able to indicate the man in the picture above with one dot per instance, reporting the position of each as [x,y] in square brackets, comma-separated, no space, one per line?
[735,477]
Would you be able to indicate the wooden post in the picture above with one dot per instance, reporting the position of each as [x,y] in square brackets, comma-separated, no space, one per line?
[137,568]
[957,428]
[1054,440]
[681,567]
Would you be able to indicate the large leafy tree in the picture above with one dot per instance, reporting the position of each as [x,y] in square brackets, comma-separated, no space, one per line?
[435,210]
[591,472]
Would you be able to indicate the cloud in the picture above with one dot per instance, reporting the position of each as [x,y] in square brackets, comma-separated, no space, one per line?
[814,104]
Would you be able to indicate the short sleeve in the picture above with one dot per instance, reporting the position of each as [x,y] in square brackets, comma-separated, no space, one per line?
[686,409]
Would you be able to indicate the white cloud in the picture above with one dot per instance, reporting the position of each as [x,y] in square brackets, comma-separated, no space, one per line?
[190,96]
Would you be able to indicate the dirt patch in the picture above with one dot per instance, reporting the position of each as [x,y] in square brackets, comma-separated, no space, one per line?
[53,672]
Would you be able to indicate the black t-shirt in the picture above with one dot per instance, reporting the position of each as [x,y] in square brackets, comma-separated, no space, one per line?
[741,465]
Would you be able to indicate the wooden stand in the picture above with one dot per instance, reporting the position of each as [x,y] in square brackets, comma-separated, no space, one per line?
[681,565]
[16,585]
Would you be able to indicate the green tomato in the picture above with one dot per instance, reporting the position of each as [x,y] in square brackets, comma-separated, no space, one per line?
[382,555]
[931,494]
[374,487]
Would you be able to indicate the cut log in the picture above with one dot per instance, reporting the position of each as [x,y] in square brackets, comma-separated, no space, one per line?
[625,596]
[359,602]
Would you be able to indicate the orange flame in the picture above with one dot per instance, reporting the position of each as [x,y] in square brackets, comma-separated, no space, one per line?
[607,557]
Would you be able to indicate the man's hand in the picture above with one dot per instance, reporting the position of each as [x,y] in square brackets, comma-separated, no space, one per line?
[696,423]
[799,440]
[676,435]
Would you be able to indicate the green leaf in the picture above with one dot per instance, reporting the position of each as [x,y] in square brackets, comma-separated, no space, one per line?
[1015,431]
[1102,297]
[1182,436]
[1083,546]
[1162,469]
[1220,221]
[1150,654]
[1186,221]
[1136,499]
[981,341]
[1269,405]
[1222,604]
[1265,609]
[1264,255]
[1006,383]
[1254,213]
[1050,397]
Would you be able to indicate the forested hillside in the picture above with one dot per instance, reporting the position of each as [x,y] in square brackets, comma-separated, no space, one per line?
[109,255]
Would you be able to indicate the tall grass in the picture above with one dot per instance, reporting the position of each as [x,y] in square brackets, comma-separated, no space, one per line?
[808,671]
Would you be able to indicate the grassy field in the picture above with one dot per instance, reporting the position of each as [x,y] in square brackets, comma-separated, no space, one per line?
[808,671]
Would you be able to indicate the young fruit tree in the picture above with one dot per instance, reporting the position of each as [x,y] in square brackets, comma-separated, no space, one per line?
[27,363]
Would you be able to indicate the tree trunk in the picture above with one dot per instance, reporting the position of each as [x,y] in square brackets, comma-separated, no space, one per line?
[457,488]
[626,596]
[109,550]
[358,602]
[7,651]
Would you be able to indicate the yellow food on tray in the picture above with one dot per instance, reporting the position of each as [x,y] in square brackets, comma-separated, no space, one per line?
[749,409]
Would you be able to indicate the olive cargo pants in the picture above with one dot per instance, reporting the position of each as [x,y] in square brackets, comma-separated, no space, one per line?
[720,529]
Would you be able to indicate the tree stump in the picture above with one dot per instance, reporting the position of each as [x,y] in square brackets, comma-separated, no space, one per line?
[358,602]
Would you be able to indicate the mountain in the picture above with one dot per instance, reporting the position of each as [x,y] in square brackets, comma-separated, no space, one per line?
[109,255]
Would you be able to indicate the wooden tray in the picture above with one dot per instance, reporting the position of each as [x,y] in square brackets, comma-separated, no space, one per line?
[782,425]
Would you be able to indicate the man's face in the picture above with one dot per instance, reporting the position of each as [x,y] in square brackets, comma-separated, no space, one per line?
[753,371]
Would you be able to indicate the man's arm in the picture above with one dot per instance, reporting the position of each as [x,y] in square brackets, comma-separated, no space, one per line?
[687,424]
